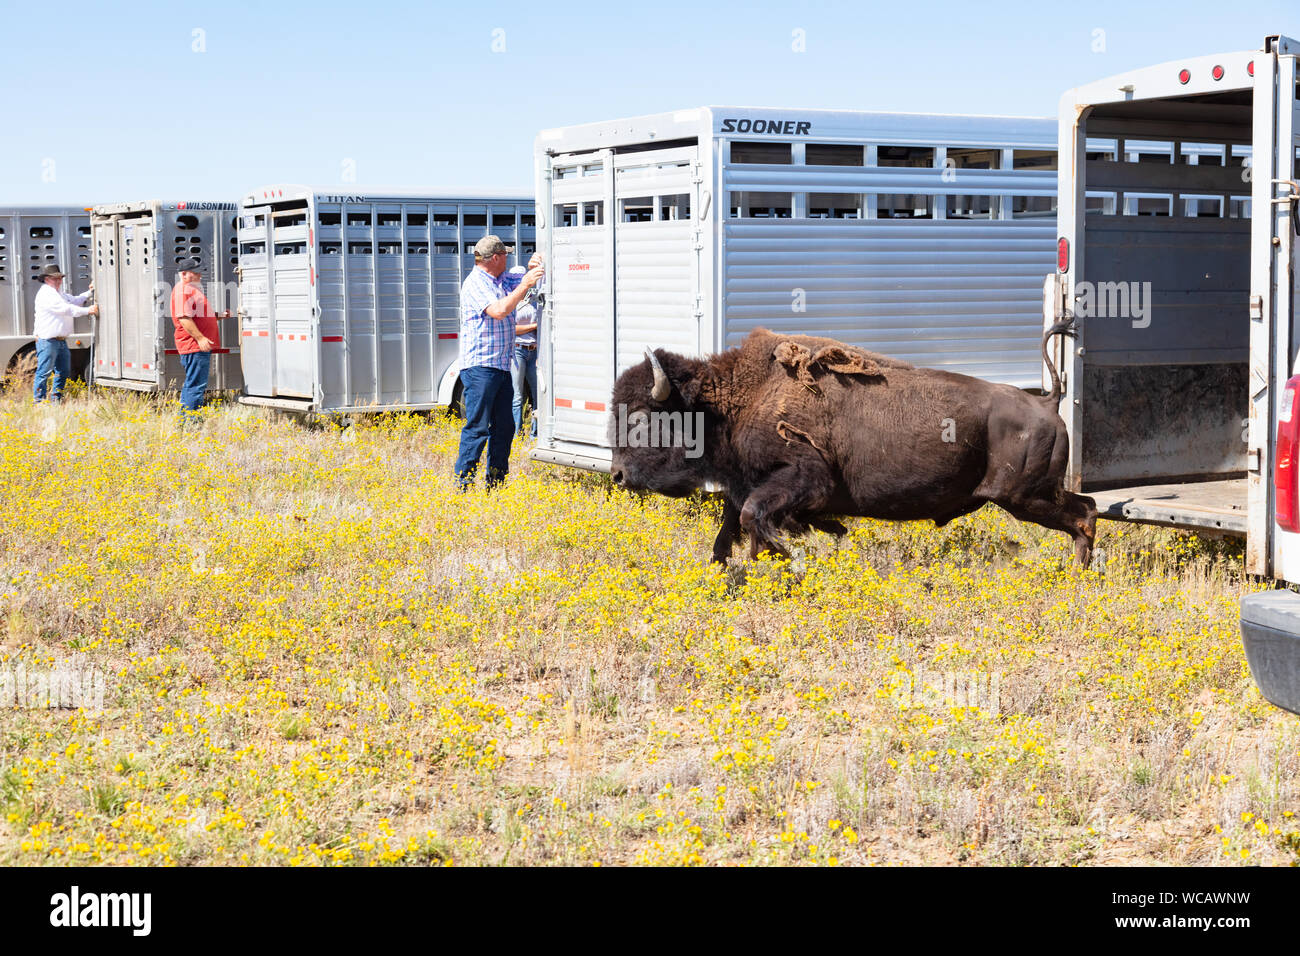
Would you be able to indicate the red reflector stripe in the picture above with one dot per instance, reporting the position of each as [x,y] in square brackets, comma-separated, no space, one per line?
[595,406]
[331,338]
[128,365]
[563,403]
[448,335]
[1285,468]
[146,365]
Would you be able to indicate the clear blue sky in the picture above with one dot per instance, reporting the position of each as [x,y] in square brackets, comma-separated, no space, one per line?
[415,95]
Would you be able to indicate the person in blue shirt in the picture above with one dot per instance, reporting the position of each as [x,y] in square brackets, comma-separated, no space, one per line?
[489,297]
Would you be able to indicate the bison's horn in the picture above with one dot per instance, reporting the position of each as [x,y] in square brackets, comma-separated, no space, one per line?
[662,386]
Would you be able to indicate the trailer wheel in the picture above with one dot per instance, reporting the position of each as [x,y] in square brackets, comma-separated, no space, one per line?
[21,373]
[457,407]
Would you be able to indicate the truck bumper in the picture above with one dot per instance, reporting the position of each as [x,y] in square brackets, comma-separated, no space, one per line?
[1270,632]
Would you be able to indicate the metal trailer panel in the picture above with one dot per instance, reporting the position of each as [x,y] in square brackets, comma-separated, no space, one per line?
[32,237]
[351,302]
[962,294]
[1167,398]
[138,246]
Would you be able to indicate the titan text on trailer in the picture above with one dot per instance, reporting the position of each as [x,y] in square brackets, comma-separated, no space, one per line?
[350,302]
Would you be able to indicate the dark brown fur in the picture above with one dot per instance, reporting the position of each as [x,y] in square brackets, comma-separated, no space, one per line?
[800,429]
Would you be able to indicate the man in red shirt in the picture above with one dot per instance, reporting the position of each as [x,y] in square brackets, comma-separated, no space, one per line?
[196,335]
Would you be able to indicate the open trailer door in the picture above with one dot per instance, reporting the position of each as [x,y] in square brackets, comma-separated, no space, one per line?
[1270,620]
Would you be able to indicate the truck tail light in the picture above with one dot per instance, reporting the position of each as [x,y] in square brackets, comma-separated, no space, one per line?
[1184,76]
[1286,467]
[1062,254]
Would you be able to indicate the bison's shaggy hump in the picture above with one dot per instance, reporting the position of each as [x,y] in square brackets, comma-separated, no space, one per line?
[842,359]
[805,355]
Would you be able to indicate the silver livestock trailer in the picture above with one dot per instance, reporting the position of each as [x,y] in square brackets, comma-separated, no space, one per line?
[32,237]
[1177,260]
[138,249]
[921,236]
[351,301]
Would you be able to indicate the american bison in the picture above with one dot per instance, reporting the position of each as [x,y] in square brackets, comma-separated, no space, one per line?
[797,431]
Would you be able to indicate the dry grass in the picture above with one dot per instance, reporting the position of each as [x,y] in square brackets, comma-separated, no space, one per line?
[317,653]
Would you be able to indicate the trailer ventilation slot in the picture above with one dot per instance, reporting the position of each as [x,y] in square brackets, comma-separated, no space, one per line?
[290,248]
[834,206]
[675,207]
[358,219]
[41,232]
[445,249]
[331,219]
[778,154]
[417,219]
[830,154]
[637,209]
[331,248]
[359,249]
[913,157]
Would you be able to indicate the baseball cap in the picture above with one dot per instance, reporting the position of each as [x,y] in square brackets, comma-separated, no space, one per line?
[489,246]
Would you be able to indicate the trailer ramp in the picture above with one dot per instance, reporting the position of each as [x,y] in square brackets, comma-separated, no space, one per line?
[1199,506]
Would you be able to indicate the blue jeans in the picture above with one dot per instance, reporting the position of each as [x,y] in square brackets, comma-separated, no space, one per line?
[487,422]
[196,366]
[524,369]
[52,356]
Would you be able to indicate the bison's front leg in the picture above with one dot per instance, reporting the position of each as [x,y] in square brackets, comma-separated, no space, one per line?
[800,488]
[728,533]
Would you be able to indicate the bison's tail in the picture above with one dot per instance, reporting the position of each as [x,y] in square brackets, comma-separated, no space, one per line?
[1060,328]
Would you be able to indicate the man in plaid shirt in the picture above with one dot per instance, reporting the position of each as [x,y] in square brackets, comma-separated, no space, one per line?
[488,299]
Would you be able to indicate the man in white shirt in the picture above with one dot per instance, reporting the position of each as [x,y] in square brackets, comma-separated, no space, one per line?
[55,310]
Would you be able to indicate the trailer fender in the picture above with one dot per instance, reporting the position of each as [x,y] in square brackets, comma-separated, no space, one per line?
[447,387]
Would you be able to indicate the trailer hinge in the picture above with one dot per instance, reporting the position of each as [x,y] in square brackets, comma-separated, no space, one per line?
[1257,307]
[697,240]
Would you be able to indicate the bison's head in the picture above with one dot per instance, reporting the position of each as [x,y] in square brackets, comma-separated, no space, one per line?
[657,428]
